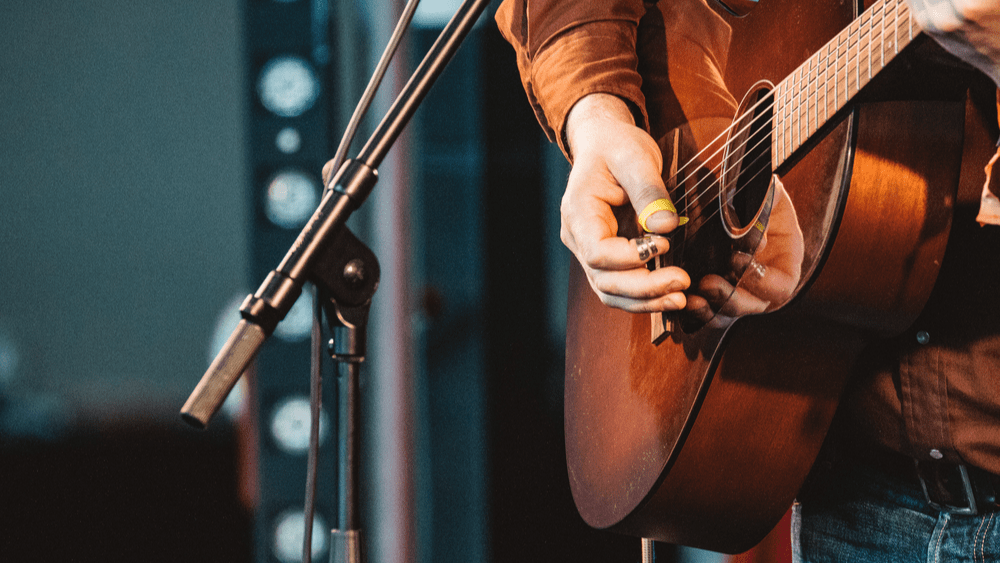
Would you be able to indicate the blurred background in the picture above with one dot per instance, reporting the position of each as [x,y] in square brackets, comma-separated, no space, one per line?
[158,159]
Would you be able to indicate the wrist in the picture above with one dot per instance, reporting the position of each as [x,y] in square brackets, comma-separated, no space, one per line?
[591,114]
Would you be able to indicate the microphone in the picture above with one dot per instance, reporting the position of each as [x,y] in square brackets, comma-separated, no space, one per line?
[222,375]
[313,257]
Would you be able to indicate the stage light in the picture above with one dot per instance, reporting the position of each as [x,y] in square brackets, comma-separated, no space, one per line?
[288,86]
[288,140]
[225,323]
[297,324]
[291,198]
[288,536]
[290,425]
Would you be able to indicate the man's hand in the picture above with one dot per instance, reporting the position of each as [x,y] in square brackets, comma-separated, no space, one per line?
[614,163]
[969,29]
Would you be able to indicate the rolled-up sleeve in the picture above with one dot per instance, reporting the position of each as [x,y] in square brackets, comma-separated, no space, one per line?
[566,50]
[969,29]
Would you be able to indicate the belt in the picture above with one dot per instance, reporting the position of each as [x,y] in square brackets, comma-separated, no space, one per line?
[955,488]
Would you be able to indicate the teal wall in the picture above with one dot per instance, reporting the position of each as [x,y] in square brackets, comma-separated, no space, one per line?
[122,197]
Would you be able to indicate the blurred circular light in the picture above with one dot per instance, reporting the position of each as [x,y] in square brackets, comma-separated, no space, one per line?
[288,140]
[297,324]
[288,86]
[236,402]
[225,324]
[291,198]
[289,533]
[290,425]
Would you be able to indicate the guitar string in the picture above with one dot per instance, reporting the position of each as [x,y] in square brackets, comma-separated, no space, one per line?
[859,59]
[797,123]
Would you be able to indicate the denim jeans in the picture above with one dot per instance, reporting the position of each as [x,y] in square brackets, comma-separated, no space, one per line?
[852,511]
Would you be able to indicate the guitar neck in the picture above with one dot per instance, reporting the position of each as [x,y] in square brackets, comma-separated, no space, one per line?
[806,100]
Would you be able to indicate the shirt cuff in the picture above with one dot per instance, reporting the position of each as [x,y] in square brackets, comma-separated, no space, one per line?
[598,57]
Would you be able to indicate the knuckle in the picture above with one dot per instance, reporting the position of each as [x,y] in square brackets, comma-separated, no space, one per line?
[601,285]
[607,299]
[589,258]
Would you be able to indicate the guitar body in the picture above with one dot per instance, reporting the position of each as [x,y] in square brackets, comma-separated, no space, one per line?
[703,436]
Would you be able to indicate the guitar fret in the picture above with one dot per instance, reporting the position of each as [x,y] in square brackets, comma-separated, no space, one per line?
[821,63]
[857,61]
[791,114]
[785,121]
[797,107]
[864,60]
[803,110]
[786,131]
[895,31]
[836,63]
[864,31]
[884,19]
[843,58]
[779,123]
[812,97]
[910,28]
[878,21]
[826,89]
[781,154]
[837,72]
[776,136]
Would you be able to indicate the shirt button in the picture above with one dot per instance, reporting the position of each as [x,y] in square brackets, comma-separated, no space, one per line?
[923,337]
[936,454]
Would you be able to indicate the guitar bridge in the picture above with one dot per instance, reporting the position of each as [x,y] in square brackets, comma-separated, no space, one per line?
[661,323]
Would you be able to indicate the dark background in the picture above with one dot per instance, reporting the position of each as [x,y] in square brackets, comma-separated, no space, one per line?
[131,177]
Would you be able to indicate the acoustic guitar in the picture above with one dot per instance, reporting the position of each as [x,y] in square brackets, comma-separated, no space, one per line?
[819,220]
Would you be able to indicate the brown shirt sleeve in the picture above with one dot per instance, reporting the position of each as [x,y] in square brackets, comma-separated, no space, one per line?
[566,50]
[665,58]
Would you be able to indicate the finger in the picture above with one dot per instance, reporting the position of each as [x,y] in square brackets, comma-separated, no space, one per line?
[589,226]
[639,283]
[638,173]
[742,303]
[618,253]
[652,211]
[670,302]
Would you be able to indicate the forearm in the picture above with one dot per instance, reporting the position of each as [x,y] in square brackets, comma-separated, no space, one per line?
[569,50]
[969,29]
[590,115]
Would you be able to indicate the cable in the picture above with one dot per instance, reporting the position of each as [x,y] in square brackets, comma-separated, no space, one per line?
[316,367]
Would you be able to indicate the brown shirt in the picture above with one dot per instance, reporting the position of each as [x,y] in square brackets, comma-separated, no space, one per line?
[934,390]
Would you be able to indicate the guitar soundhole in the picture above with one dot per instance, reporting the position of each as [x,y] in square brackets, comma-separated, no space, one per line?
[747,166]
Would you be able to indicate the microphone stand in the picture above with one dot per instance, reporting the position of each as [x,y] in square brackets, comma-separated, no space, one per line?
[346,274]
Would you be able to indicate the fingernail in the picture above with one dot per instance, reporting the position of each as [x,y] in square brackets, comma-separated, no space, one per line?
[682,221]
[653,209]
[657,222]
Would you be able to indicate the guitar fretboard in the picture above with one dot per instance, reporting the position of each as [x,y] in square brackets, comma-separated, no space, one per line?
[827,81]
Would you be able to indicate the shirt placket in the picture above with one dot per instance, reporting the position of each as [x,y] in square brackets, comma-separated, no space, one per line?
[924,396]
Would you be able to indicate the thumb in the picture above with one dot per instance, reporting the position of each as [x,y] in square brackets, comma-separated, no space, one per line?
[656,213]
[640,177]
